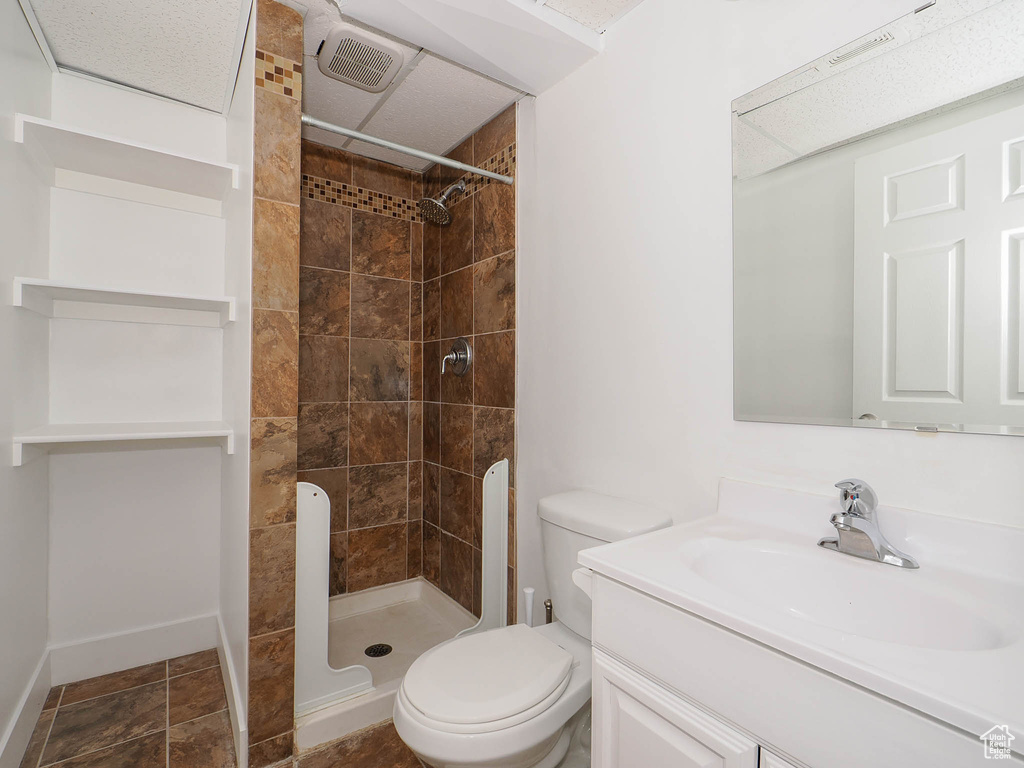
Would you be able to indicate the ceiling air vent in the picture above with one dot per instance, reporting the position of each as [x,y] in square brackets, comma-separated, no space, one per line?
[359,58]
[862,48]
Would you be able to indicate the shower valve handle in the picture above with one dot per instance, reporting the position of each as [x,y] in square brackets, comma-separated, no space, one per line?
[460,358]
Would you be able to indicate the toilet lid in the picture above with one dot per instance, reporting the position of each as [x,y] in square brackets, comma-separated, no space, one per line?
[486,677]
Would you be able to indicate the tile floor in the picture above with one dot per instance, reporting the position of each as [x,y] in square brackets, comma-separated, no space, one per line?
[171,714]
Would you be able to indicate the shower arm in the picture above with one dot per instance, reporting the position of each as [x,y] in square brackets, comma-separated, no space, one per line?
[447,162]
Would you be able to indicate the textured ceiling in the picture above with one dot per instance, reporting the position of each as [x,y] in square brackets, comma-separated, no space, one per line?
[181,49]
[433,105]
[598,15]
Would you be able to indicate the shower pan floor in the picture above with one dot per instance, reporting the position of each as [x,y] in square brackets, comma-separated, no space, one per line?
[412,617]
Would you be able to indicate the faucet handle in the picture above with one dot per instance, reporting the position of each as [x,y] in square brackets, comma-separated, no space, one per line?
[857,497]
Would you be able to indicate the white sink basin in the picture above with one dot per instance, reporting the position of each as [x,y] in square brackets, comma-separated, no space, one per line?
[854,597]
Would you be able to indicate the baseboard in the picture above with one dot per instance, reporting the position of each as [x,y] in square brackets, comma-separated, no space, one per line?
[237,709]
[111,653]
[19,729]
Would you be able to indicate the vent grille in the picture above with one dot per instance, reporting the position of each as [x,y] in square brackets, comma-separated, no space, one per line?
[864,47]
[360,63]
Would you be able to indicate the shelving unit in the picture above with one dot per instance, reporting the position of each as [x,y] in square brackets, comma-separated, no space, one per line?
[34,442]
[54,146]
[47,296]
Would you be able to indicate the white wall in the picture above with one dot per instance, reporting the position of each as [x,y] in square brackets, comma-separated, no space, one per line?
[625,285]
[135,534]
[234,558]
[23,498]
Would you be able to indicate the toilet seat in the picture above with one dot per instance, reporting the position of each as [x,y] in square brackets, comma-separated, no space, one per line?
[488,681]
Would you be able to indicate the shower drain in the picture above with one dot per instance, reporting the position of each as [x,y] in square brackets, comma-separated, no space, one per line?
[377,650]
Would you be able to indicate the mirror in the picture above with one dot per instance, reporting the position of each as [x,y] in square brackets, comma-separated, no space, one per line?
[878,204]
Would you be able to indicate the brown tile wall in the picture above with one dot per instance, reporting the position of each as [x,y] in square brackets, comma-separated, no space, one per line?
[275,382]
[469,273]
[400,451]
[360,360]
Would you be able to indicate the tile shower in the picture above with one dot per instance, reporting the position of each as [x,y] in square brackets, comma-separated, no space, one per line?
[400,451]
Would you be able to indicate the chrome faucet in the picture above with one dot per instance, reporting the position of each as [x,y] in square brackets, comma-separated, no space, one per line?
[858,530]
[459,359]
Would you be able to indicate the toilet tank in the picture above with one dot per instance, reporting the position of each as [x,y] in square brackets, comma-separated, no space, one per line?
[578,520]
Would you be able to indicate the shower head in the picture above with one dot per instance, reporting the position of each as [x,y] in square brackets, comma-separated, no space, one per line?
[436,211]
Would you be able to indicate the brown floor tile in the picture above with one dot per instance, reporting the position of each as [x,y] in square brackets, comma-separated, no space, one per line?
[196,695]
[114,682]
[53,697]
[193,662]
[205,742]
[377,556]
[378,746]
[149,751]
[38,739]
[334,482]
[378,494]
[381,245]
[101,722]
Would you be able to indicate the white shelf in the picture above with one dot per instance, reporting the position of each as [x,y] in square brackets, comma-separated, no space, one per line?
[110,304]
[55,146]
[39,440]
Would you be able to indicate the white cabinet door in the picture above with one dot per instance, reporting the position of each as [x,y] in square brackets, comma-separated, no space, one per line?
[769,760]
[938,228]
[638,724]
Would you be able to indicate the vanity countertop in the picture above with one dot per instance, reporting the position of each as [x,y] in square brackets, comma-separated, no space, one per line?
[946,639]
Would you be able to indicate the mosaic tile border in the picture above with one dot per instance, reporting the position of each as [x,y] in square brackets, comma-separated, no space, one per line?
[278,74]
[357,198]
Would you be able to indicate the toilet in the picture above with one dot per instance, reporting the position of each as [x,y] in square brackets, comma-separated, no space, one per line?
[512,697]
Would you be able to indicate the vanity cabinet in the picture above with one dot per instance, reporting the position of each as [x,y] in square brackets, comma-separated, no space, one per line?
[675,690]
[640,725]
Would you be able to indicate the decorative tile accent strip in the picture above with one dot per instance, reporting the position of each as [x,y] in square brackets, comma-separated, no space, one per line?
[278,74]
[328,191]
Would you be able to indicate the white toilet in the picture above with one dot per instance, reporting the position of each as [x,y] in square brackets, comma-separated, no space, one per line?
[507,697]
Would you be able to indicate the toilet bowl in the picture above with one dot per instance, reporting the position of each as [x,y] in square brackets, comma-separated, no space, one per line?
[499,698]
[512,697]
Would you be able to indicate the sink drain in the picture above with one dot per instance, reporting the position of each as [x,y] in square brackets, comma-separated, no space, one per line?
[377,650]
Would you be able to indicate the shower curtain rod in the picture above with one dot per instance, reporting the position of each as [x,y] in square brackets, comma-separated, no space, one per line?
[315,123]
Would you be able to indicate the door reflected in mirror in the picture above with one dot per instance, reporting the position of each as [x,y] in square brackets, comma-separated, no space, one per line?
[878,206]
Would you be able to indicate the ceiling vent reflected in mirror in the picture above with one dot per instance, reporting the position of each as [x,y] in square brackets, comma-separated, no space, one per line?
[359,58]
